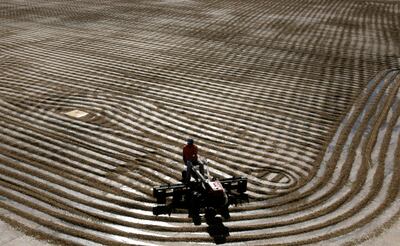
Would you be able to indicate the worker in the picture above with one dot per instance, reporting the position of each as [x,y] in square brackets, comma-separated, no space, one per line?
[190,152]
[189,155]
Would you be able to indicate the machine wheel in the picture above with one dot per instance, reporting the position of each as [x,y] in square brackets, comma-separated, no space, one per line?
[194,207]
[210,215]
[183,176]
[225,213]
[219,239]
[196,220]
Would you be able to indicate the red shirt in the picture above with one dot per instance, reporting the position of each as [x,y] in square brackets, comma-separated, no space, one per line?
[189,153]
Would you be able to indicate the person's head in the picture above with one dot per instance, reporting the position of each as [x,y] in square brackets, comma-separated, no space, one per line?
[190,141]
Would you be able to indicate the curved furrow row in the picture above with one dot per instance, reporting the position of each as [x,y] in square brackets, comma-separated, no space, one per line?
[236,158]
[182,129]
[121,63]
